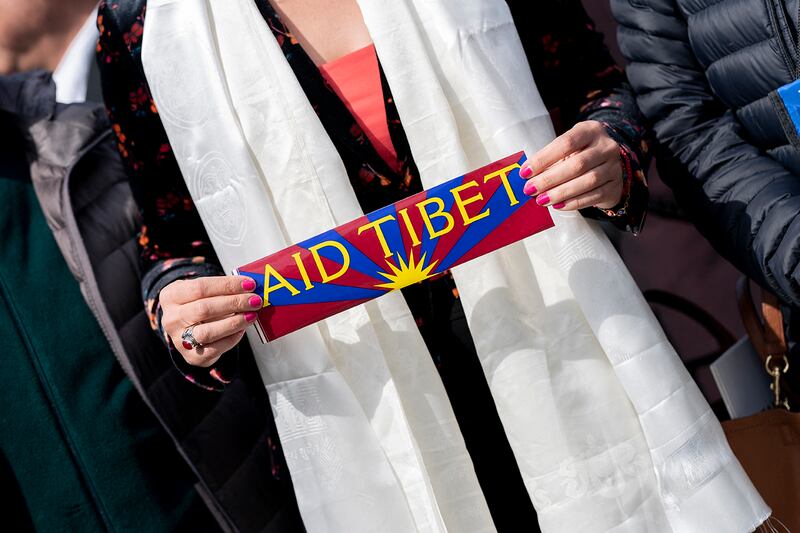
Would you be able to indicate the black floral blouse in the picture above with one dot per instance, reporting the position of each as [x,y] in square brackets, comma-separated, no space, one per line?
[575,74]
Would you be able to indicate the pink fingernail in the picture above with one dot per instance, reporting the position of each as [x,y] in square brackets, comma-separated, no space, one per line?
[543,199]
[255,302]
[525,172]
[529,188]
[559,205]
[248,284]
[250,316]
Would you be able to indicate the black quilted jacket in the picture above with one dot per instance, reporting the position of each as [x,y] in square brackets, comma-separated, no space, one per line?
[703,71]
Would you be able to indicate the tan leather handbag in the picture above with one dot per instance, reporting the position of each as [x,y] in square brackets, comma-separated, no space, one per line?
[768,443]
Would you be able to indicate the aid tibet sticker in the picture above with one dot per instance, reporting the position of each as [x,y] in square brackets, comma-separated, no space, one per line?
[399,245]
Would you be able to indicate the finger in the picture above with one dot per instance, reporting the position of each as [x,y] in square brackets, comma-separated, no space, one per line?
[607,194]
[589,181]
[210,332]
[189,290]
[574,140]
[217,307]
[567,170]
[207,355]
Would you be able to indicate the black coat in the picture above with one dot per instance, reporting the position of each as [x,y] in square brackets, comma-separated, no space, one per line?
[703,71]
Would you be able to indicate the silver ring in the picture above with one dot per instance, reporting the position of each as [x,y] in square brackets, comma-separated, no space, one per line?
[189,342]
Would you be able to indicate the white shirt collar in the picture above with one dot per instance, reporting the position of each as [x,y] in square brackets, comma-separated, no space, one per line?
[72,74]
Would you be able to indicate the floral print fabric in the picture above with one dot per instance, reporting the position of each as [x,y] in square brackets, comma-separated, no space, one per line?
[575,74]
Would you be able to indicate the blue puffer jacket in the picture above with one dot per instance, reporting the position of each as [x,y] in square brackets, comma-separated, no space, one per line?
[703,71]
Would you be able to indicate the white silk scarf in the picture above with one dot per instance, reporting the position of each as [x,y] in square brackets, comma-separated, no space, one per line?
[609,431]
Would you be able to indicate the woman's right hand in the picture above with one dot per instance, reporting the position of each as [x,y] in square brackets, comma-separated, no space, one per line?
[219,307]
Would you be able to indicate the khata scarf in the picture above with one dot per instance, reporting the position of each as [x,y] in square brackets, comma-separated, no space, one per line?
[609,431]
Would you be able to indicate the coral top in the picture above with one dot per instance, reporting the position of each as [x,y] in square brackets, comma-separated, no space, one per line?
[356,79]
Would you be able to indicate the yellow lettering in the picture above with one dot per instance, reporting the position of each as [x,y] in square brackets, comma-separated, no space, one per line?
[503,173]
[427,217]
[379,232]
[270,272]
[461,203]
[409,227]
[303,272]
[318,260]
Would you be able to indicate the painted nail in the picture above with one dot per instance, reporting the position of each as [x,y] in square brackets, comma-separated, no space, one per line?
[529,188]
[255,302]
[250,316]
[559,205]
[248,284]
[525,173]
[543,199]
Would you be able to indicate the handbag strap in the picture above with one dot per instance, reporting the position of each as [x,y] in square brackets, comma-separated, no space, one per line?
[768,336]
[774,334]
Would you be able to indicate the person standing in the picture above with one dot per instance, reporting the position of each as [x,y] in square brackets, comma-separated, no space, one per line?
[583,89]
[706,75]
[79,449]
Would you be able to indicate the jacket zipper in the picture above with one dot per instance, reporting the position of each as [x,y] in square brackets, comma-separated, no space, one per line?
[788,49]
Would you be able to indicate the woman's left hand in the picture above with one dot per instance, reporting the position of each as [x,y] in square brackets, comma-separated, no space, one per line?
[578,169]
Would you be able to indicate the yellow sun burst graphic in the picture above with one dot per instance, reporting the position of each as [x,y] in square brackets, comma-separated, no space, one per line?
[408,273]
